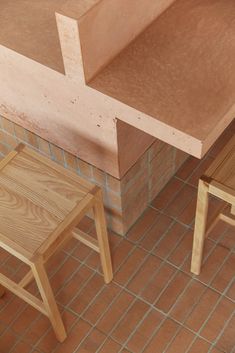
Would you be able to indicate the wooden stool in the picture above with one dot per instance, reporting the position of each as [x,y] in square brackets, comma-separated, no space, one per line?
[219,180]
[41,204]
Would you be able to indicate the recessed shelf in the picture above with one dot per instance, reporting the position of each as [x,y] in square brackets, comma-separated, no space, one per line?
[181,69]
[29,27]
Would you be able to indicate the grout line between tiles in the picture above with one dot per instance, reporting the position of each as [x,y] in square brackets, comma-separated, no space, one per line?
[116,324]
[227,322]
[182,323]
[198,334]
[137,326]
[149,254]
[148,303]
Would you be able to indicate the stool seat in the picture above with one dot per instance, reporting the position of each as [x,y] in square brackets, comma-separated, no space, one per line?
[35,198]
[222,169]
[41,204]
[218,180]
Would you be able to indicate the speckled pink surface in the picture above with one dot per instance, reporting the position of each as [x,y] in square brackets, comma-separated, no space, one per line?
[175,81]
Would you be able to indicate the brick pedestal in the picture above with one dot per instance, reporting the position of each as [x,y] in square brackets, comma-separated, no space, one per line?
[124,199]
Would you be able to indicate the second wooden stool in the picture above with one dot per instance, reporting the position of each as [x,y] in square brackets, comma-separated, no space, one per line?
[218,180]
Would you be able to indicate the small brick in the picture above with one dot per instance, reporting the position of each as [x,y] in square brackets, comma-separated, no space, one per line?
[202,167]
[129,268]
[57,153]
[112,212]
[113,200]
[22,347]
[161,170]
[181,342]
[99,176]
[156,184]
[231,291]
[70,290]
[2,136]
[20,132]
[200,346]
[138,282]
[44,146]
[162,162]
[130,321]
[155,234]
[173,290]
[76,336]
[213,263]
[167,194]
[32,139]
[7,341]
[113,184]
[101,303]
[138,167]
[115,222]
[70,160]
[222,141]
[11,140]
[170,240]
[8,126]
[4,149]
[179,158]
[181,200]
[85,169]
[92,342]
[135,208]
[227,341]
[21,324]
[135,188]
[157,283]
[142,225]
[117,309]
[202,310]
[121,253]
[218,320]
[110,346]
[144,331]
[187,168]
[183,249]
[163,337]
[156,147]
[186,302]
[88,293]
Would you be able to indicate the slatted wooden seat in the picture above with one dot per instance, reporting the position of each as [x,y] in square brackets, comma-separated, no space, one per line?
[219,180]
[41,205]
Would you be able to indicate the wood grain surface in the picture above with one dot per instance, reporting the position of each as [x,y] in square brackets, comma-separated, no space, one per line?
[35,198]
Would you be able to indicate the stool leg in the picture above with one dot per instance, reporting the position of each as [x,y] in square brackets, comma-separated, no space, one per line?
[49,300]
[200,227]
[2,291]
[102,238]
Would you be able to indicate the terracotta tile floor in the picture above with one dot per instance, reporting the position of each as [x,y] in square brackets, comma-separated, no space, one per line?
[154,304]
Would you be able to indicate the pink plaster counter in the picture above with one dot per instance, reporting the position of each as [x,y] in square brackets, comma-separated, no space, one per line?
[71,70]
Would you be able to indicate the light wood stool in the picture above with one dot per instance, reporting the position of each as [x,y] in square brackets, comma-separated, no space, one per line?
[41,204]
[219,180]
